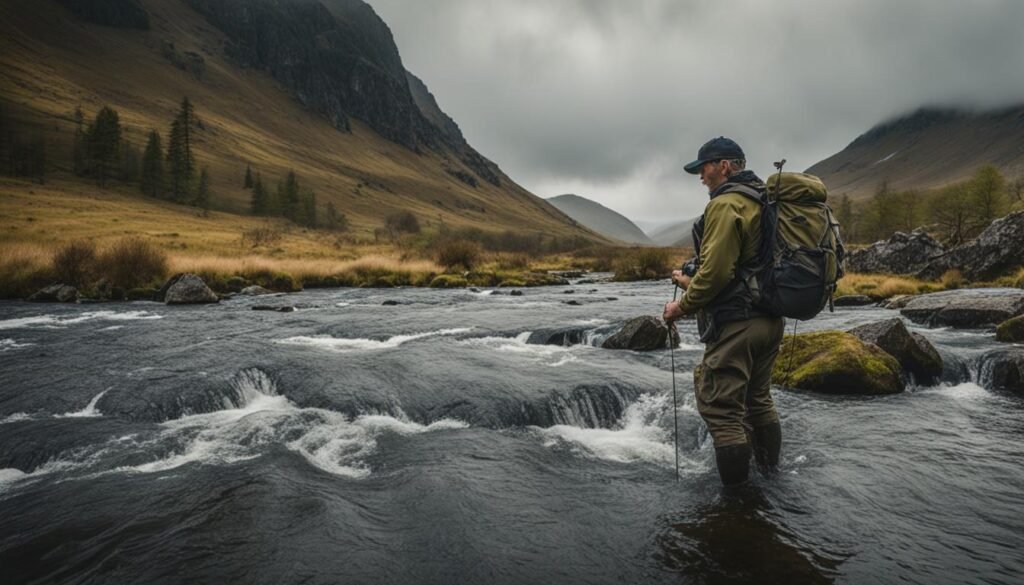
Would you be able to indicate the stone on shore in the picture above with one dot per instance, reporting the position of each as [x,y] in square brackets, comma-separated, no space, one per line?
[965,308]
[836,362]
[902,253]
[255,290]
[997,250]
[642,334]
[915,354]
[186,289]
[853,301]
[55,293]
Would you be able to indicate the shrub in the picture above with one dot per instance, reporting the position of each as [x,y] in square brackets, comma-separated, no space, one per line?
[514,262]
[448,281]
[284,282]
[74,263]
[952,279]
[261,236]
[643,264]
[133,263]
[455,253]
[402,222]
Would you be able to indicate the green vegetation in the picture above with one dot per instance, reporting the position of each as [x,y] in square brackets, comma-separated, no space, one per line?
[954,214]
[836,362]
[1011,331]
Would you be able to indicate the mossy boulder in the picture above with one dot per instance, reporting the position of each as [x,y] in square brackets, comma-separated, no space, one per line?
[836,362]
[448,281]
[1011,330]
[914,352]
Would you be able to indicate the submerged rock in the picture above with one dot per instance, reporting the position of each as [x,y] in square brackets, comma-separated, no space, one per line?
[853,301]
[390,303]
[997,250]
[1002,369]
[896,302]
[1011,330]
[966,308]
[255,290]
[558,336]
[55,293]
[187,289]
[642,334]
[279,309]
[901,254]
[835,362]
[915,354]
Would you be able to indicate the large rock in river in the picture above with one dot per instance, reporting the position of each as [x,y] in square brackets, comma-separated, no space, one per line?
[1011,330]
[642,334]
[915,353]
[900,254]
[966,308]
[1002,369]
[186,289]
[997,250]
[836,362]
[55,293]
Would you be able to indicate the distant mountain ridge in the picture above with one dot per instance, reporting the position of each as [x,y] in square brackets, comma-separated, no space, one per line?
[677,234]
[925,149]
[600,219]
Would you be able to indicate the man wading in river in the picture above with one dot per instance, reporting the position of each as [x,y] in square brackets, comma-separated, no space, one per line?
[741,340]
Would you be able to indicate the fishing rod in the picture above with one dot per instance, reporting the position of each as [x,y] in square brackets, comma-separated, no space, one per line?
[675,403]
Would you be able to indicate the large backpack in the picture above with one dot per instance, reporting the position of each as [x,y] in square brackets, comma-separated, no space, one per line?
[801,256]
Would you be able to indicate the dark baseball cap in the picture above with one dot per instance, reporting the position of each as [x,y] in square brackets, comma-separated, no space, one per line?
[715,149]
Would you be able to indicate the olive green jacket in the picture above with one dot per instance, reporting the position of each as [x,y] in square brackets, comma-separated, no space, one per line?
[732,234]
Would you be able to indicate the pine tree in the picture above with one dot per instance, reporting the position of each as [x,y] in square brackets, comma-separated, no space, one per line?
[130,162]
[202,199]
[152,181]
[334,220]
[104,145]
[78,153]
[180,162]
[260,197]
[309,208]
[290,198]
[248,177]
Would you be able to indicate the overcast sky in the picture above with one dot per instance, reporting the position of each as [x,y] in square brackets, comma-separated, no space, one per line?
[609,98]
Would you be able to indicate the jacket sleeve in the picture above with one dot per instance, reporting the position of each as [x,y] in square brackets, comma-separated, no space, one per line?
[719,253]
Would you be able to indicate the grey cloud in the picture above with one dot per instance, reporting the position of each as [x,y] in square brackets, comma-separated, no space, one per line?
[611,97]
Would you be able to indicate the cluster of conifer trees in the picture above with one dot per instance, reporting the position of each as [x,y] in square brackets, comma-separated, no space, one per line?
[290,200]
[20,155]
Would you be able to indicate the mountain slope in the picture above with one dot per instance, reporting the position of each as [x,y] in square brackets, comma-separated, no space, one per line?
[676,234]
[928,148]
[337,109]
[599,218]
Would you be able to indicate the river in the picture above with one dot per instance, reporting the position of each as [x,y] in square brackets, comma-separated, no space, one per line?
[431,442]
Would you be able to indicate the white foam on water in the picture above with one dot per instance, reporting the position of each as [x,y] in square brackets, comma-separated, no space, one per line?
[56,321]
[90,409]
[968,391]
[637,437]
[16,417]
[589,322]
[342,304]
[112,328]
[341,344]
[10,344]
[548,355]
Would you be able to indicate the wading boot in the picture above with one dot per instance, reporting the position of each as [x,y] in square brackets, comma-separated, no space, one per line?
[733,464]
[767,442]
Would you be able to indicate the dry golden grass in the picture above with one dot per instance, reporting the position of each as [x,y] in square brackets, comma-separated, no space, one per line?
[303,269]
[883,286]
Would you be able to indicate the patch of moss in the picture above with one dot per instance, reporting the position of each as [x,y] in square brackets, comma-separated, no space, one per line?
[236,283]
[512,283]
[448,281]
[1011,330]
[836,362]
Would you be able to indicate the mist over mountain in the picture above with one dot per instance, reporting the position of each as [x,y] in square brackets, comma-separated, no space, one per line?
[599,218]
[928,148]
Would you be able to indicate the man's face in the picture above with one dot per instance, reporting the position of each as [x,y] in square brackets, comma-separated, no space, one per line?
[713,174]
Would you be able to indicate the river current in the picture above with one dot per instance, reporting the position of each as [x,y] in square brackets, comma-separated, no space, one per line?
[436,441]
